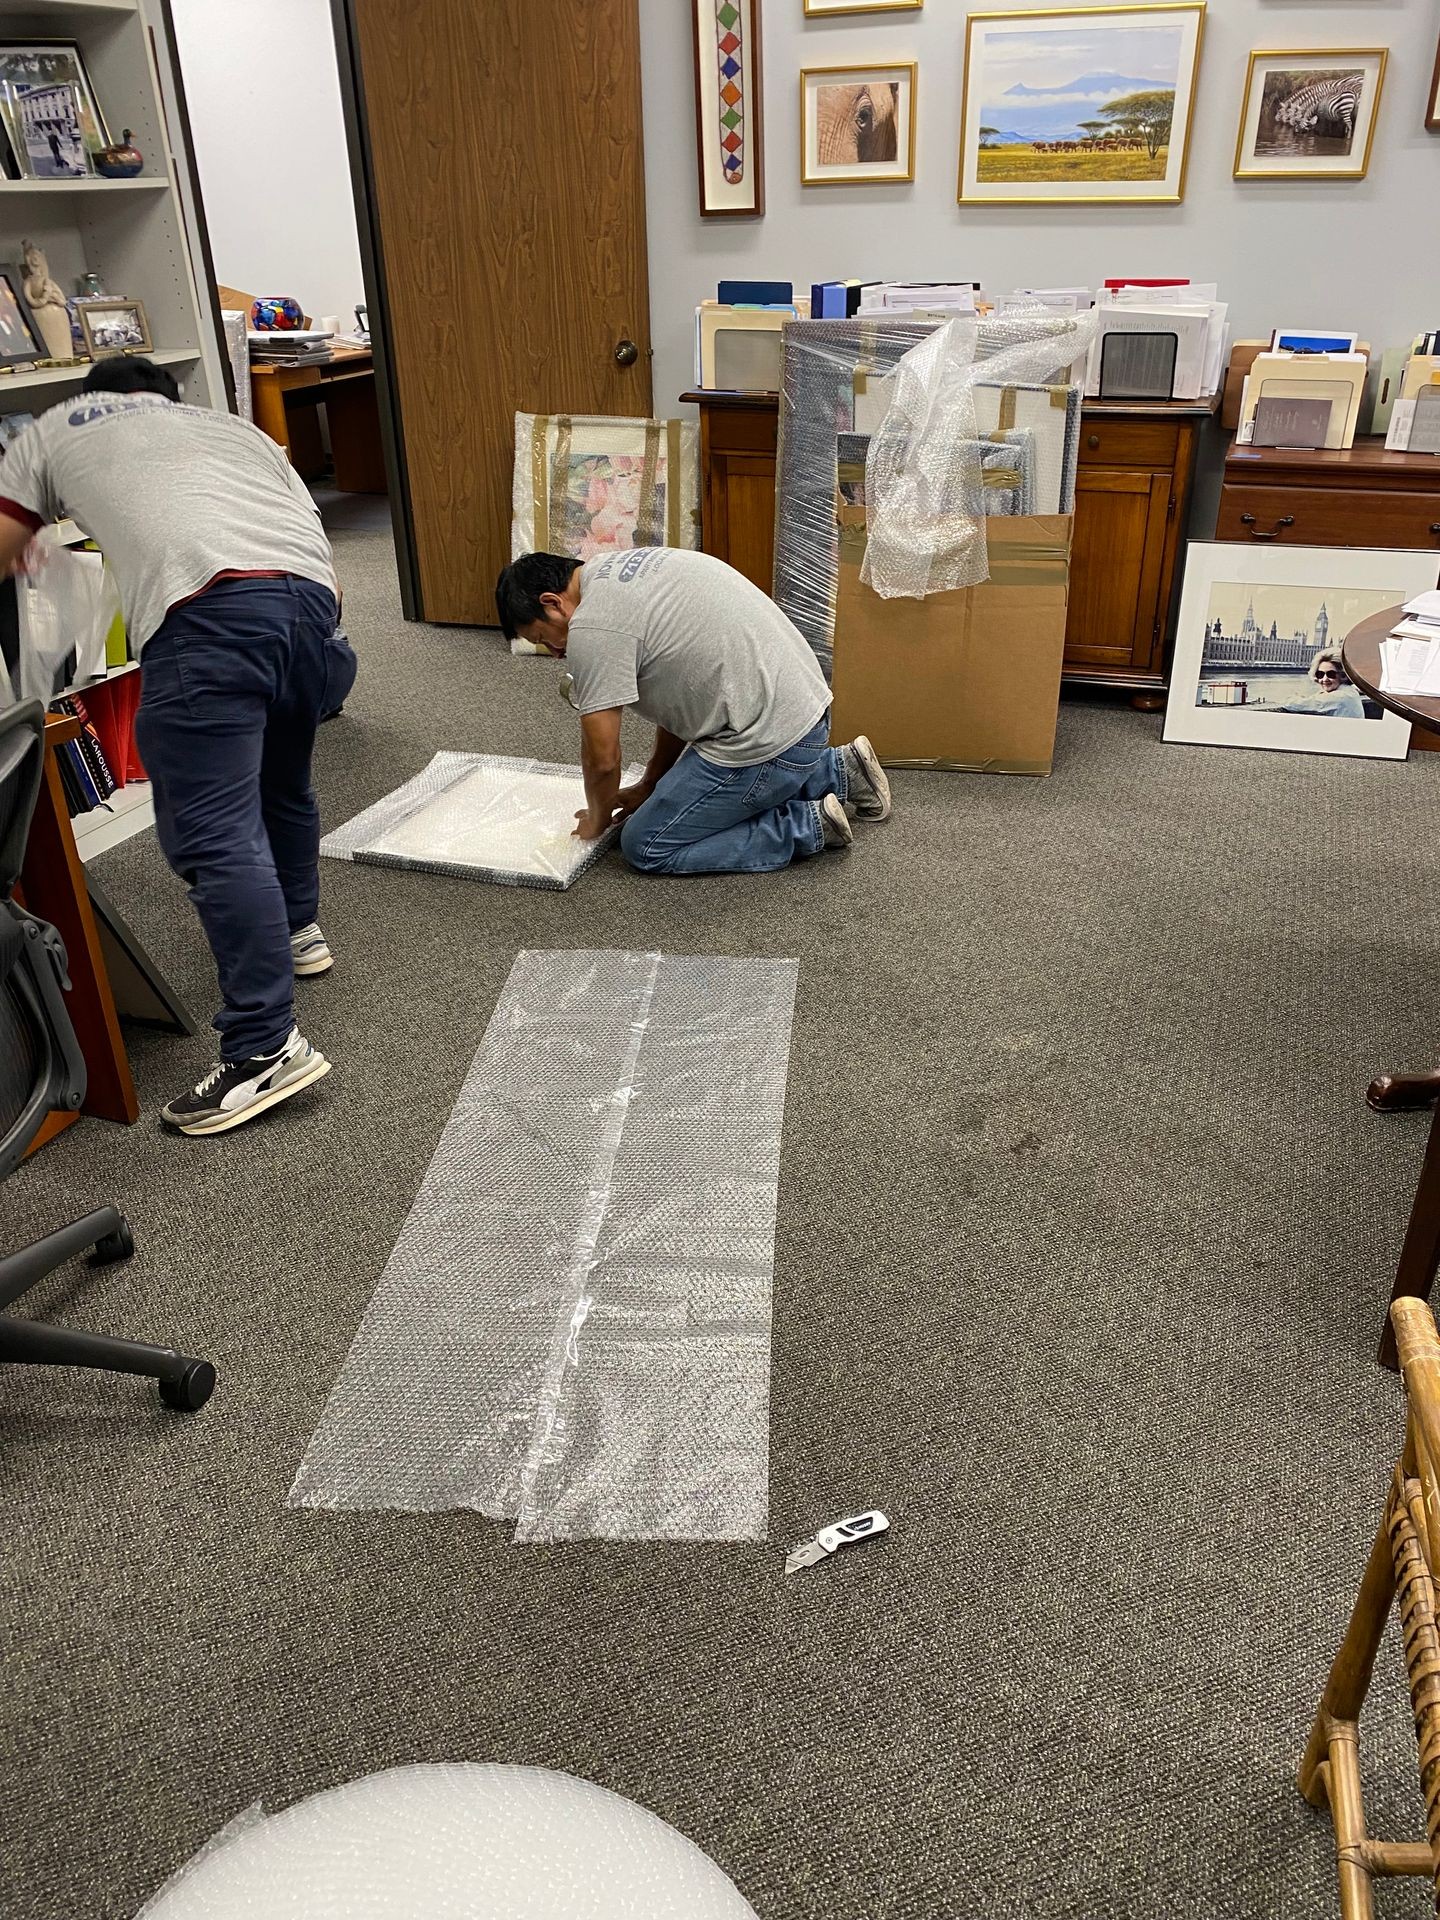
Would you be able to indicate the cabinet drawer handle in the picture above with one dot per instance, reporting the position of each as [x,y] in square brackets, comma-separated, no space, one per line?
[1248,520]
[1435,526]
[1093,441]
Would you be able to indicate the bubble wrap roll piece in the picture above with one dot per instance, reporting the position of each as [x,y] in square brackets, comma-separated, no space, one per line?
[478,817]
[457,1842]
[574,1327]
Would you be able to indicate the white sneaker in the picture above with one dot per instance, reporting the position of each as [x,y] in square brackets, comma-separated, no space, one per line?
[309,952]
[835,823]
[236,1090]
[869,789]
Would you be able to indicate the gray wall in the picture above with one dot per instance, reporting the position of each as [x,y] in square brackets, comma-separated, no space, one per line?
[1363,254]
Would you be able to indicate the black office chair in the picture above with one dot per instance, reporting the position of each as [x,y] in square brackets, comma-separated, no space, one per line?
[41,1068]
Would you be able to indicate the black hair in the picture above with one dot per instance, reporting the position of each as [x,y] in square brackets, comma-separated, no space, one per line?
[518,590]
[120,373]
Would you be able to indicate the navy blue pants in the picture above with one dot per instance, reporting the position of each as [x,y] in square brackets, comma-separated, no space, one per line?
[232,686]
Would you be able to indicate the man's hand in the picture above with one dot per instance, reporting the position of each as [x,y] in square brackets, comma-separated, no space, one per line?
[589,825]
[628,799]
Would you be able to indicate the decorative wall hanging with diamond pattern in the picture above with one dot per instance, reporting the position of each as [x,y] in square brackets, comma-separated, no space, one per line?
[727,106]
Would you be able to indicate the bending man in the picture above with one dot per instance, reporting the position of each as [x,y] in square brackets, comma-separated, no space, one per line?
[228,587]
[742,778]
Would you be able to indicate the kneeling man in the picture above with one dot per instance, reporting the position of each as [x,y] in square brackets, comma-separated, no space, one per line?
[743,778]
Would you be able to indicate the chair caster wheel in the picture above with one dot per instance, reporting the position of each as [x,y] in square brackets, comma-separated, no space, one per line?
[192,1389]
[118,1245]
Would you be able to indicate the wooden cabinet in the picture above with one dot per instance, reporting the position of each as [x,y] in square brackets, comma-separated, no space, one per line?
[1132,499]
[1361,496]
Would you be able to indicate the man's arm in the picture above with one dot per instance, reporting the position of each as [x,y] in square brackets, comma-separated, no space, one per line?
[666,751]
[15,536]
[600,764]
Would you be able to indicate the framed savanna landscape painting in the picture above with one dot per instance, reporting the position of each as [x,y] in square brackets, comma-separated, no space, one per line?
[1079,103]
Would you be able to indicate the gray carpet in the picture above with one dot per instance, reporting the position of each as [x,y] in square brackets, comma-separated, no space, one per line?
[1084,1237]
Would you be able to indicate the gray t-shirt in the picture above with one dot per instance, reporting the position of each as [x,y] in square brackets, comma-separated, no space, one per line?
[697,649]
[172,495]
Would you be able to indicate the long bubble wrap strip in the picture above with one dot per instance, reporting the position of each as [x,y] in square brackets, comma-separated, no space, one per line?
[478,816]
[574,1327]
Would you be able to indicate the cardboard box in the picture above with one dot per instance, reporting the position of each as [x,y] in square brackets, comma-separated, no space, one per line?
[967,680]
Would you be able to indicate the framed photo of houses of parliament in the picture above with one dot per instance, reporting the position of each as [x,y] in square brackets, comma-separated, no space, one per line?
[1258,647]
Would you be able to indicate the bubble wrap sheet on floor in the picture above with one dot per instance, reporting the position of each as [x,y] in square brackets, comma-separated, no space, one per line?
[481,817]
[574,1328]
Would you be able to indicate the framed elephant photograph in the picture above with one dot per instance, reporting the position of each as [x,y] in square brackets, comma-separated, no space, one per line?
[857,125]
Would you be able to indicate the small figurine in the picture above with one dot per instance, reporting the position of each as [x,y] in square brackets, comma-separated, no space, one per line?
[47,303]
[120,162]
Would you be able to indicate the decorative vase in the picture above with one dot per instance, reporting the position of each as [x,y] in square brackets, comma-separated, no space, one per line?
[120,162]
[277,314]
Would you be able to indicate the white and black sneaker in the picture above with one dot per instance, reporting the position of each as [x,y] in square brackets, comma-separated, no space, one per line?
[236,1090]
[834,822]
[309,952]
[868,788]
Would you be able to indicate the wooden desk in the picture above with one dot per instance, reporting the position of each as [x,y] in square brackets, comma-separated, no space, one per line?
[284,400]
[1420,1255]
[52,887]
[1137,464]
[1358,496]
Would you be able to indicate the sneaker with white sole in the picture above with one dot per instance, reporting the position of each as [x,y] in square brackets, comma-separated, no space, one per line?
[865,779]
[236,1090]
[835,822]
[309,952]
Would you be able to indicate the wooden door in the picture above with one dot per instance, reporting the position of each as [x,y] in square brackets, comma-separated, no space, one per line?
[1116,569]
[500,154]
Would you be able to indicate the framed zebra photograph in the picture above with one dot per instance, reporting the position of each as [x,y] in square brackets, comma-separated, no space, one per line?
[729,141]
[1309,113]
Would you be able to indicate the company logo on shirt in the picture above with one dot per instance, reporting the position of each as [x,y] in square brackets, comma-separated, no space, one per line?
[628,565]
[115,403]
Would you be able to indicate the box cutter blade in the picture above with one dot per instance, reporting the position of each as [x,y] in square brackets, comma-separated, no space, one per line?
[844,1533]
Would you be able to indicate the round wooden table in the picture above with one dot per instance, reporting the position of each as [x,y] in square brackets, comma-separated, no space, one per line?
[1420,1255]
[1391,1092]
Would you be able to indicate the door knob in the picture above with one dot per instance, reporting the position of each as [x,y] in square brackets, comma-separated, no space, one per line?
[626,353]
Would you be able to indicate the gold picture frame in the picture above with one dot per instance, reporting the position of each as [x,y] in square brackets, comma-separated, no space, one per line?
[1094,160]
[1307,60]
[837,146]
[820,10]
[113,326]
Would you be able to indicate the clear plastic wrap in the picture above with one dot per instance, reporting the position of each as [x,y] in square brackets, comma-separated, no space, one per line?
[478,816]
[454,1842]
[66,603]
[574,1327]
[924,394]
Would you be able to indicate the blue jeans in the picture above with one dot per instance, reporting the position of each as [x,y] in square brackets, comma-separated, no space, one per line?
[704,818]
[232,685]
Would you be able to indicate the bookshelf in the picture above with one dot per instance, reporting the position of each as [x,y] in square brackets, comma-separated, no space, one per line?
[142,236]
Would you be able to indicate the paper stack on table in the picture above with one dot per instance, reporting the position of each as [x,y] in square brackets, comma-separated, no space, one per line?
[1410,658]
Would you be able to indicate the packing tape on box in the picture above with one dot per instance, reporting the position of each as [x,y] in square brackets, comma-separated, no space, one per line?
[573,1330]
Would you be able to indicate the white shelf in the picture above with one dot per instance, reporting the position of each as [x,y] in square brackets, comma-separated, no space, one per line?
[92,183]
[13,383]
[68,10]
[128,811]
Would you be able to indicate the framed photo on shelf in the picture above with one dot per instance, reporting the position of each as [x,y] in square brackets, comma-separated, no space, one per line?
[857,125]
[20,341]
[51,131]
[729,133]
[1309,113]
[1082,104]
[1258,647]
[38,65]
[114,326]
[818,9]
